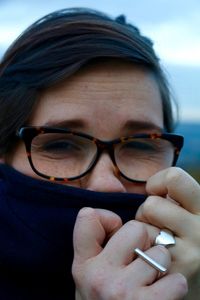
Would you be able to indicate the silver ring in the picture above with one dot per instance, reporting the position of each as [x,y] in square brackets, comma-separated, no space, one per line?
[150,261]
[165,238]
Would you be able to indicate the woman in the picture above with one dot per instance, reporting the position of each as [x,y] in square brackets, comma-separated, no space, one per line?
[86,121]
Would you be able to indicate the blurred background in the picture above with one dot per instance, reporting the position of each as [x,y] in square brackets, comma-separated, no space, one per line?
[174,26]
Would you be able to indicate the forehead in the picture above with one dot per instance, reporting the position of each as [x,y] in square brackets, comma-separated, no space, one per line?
[109,93]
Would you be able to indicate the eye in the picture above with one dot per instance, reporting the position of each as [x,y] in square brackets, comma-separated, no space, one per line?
[60,146]
[140,145]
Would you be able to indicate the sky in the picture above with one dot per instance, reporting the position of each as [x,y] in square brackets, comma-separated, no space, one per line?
[173,25]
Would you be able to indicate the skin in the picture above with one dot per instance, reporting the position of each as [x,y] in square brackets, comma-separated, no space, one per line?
[132,101]
[84,102]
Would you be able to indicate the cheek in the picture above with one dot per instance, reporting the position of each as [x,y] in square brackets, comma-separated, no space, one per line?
[132,187]
[17,159]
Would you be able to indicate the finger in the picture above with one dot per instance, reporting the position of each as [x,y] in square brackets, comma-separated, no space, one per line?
[91,229]
[119,249]
[179,185]
[172,287]
[165,214]
[144,273]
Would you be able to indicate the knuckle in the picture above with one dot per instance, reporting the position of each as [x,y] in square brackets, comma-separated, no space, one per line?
[117,295]
[76,272]
[117,290]
[150,205]
[91,279]
[174,174]
[181,283]
[97,285]
[137,226]
[86,212]
[110,290]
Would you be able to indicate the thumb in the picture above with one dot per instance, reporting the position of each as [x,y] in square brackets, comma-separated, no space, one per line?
[92,228]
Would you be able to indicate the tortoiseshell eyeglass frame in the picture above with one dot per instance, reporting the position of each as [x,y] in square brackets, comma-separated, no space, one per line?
[26,134]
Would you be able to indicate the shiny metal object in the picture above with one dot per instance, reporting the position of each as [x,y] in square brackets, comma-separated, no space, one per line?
[150,261]
[165,238]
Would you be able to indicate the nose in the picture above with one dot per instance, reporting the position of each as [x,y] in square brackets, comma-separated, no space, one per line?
[104,177]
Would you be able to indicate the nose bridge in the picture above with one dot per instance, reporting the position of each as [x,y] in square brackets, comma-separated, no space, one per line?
[105,175]
[108,147]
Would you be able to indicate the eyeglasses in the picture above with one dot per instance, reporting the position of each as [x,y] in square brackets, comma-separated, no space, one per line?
[63,155]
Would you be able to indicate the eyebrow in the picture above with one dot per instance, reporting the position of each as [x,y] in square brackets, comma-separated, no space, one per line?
[131,125]
[135,125]
[68,124]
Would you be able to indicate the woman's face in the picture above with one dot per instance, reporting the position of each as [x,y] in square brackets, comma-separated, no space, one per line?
[107,101]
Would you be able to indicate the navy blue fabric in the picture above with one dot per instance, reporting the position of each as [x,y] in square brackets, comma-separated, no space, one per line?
[36,226]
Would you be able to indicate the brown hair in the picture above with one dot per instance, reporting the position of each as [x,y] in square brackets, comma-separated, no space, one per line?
[57,46]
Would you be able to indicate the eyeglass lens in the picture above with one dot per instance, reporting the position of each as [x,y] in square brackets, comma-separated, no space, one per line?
[66,155]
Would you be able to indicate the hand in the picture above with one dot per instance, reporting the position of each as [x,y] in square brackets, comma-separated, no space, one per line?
[174,203]
[106,271]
